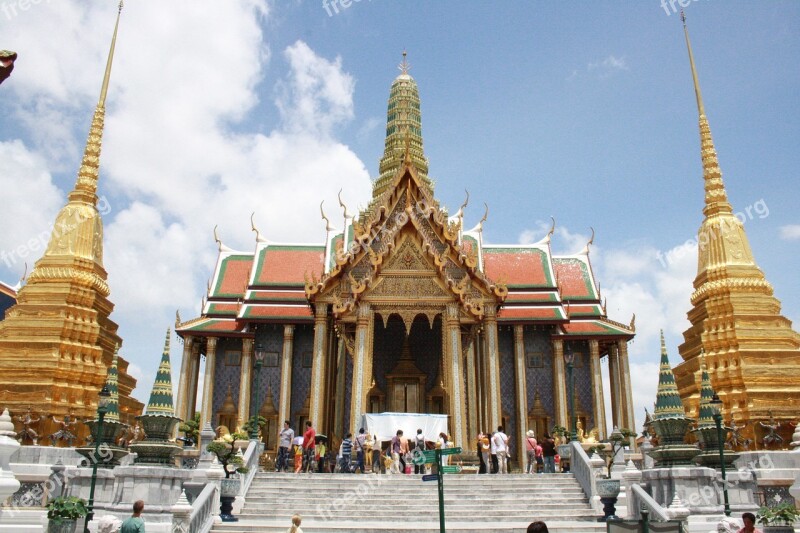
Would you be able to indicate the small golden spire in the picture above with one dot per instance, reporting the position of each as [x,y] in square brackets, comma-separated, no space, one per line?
[404,65]
[697,93]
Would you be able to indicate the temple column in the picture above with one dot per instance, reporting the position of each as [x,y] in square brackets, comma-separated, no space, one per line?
[472,395]
[628,420]
[559,383]
[494,407]
[340,386]
[318,367]
[613,382]
[597,390]
[522,393]
[284,403]
[207,412]
[360,386]
[457,396]
[244,383]
[185,376]
[194,377]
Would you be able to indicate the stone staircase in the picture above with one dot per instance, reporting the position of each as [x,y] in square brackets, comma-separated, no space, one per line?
[352,503]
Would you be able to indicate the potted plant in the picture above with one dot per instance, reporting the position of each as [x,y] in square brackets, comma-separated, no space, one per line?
[232,462]
[63,514]
[778,519]
[191,430]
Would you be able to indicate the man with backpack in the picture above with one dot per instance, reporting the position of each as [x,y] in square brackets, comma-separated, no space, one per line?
[419,448]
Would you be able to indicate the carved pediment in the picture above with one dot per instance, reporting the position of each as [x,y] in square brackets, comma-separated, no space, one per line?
[408,257]
[417,288]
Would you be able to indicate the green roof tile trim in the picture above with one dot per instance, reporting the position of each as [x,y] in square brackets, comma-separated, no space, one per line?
[668,401]
[112,382]
[161,398]
[706,412]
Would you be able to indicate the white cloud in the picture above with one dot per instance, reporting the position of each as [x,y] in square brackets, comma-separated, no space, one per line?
[790,232]
[26,223]
[608,65]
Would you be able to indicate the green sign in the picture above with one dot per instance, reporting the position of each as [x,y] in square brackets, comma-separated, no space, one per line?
[429,456]
[451,451]
[455,469]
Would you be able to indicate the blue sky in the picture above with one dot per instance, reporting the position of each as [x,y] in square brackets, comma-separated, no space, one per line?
[584,112]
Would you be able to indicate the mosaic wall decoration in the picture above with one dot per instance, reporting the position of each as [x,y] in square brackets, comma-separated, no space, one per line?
[225,376]
[540,379]
[301,375]
[348,392]
[270,337]
[582,375]
[505,341]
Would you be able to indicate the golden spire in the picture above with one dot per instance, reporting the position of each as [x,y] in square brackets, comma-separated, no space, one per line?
[716,197]
[86,186]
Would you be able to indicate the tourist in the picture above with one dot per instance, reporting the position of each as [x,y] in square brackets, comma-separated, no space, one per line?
[322,450]
[309,446]
[493,450]
[346,451]
[285,438]
[395,447]
[485,448]
[419,449]
[298,454]
[549,454]
[405,467]
[442,444]
[377,453]
[296,519]
[360,445]
[749,520]
[539,459]
[501,447]
[530,448]
[134,524]
[537,527]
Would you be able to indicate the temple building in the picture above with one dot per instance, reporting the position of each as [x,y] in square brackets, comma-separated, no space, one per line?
[405,310]
[751,350]
[57,341]
[8,297]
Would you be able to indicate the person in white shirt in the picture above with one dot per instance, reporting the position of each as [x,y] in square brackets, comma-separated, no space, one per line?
[500,441]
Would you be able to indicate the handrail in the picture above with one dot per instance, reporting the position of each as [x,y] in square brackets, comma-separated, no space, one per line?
[642,498]
[581,467]
[251,457]
[202,518]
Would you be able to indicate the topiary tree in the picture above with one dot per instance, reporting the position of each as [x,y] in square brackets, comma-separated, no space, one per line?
[226,453]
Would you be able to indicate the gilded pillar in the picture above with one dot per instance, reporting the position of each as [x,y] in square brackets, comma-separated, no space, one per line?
[472,395]
[456,396]
[522,393]
[494,408]
[318,367]
[245,374]
[194,377]
[285,401]
[360,386]
[207,415]
[628,420]
[340,385]
[613,382]
[559,383]
[183,384]
[597,389]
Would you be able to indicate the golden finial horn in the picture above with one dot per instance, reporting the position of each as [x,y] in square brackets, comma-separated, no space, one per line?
[328,226]
[591,241]
[552,227]
[485,214]
[177,318]
[216,238]
[466,201]
[341,204]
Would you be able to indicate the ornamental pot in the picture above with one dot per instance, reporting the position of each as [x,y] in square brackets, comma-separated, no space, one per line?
[230,487]
[61,526]
[607,488]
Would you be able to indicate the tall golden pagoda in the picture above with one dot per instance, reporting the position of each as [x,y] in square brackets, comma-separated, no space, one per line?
[751,350]
[57,342]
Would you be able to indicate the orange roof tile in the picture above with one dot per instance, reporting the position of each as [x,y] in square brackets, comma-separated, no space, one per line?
[530,313]
[234,272]
[290,312]
[286,265]
[574,279]
[517,267]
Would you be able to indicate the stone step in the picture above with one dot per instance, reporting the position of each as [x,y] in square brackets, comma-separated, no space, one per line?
[454,525]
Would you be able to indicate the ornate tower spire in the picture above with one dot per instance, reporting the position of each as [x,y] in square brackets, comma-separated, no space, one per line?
[705,412]
[62,319]
[112,382]
[403,132]
[161,398]
[668,401]
[735,319]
